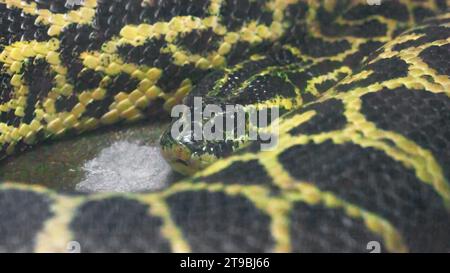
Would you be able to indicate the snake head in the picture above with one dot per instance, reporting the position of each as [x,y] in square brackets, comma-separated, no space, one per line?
[220,114]
[188,154]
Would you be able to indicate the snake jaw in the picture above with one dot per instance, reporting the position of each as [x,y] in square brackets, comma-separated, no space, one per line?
[181,157]
[176,155]
[183,161]
[178,158]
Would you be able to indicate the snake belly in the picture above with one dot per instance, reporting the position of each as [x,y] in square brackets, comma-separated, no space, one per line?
[363,152]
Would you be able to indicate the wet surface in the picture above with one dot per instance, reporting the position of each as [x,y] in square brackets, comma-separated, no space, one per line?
[64,165]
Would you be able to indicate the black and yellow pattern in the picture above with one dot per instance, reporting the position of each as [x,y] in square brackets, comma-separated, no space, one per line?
[106,62]
[364,155]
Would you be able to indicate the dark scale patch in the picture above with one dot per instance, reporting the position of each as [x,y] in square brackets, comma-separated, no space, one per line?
[55,6]
[118,225]
[321,229]
[388,9]
[111,16]
[149,54]
[234,174]
[377,183]
[76,39]
[216,222]
[312,46]
[432,33]
[88,79]
[3,154]
[16,25]
[438,58]
[284,56]
[200,41]
[383,70]
[325,85]
[308,97]
[442,4]
[325,17]
[38,76]
[163,60]
[329,27]
[300,79]
[398,30]
[371,28]
[173,75]
[329,117]
[240,51]
[66,104]
[6,90]
[373,55]
[121,83]
[145,54]
[421,13]
[364,50]
[264,88]
[296,13]
[418,115]
[22,216]
[156,109]
[10,118]
[236,78]
[253,147]
[205,86]
[165,10]
[235,13]
[435,21]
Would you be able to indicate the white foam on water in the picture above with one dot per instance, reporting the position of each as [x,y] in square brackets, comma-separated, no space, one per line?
[125,167]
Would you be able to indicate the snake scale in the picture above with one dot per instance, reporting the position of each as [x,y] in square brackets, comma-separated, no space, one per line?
[363,152]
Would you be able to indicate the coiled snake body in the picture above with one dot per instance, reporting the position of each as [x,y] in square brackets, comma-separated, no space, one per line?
[363,153]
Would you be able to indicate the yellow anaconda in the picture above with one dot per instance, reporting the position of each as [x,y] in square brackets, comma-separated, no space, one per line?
[363,152]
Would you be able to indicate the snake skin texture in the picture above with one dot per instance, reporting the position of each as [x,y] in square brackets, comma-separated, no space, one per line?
[363,152]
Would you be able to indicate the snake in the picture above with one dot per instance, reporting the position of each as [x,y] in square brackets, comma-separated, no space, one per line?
[363,149]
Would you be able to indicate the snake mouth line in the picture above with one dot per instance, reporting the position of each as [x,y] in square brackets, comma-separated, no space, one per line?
[183,161]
